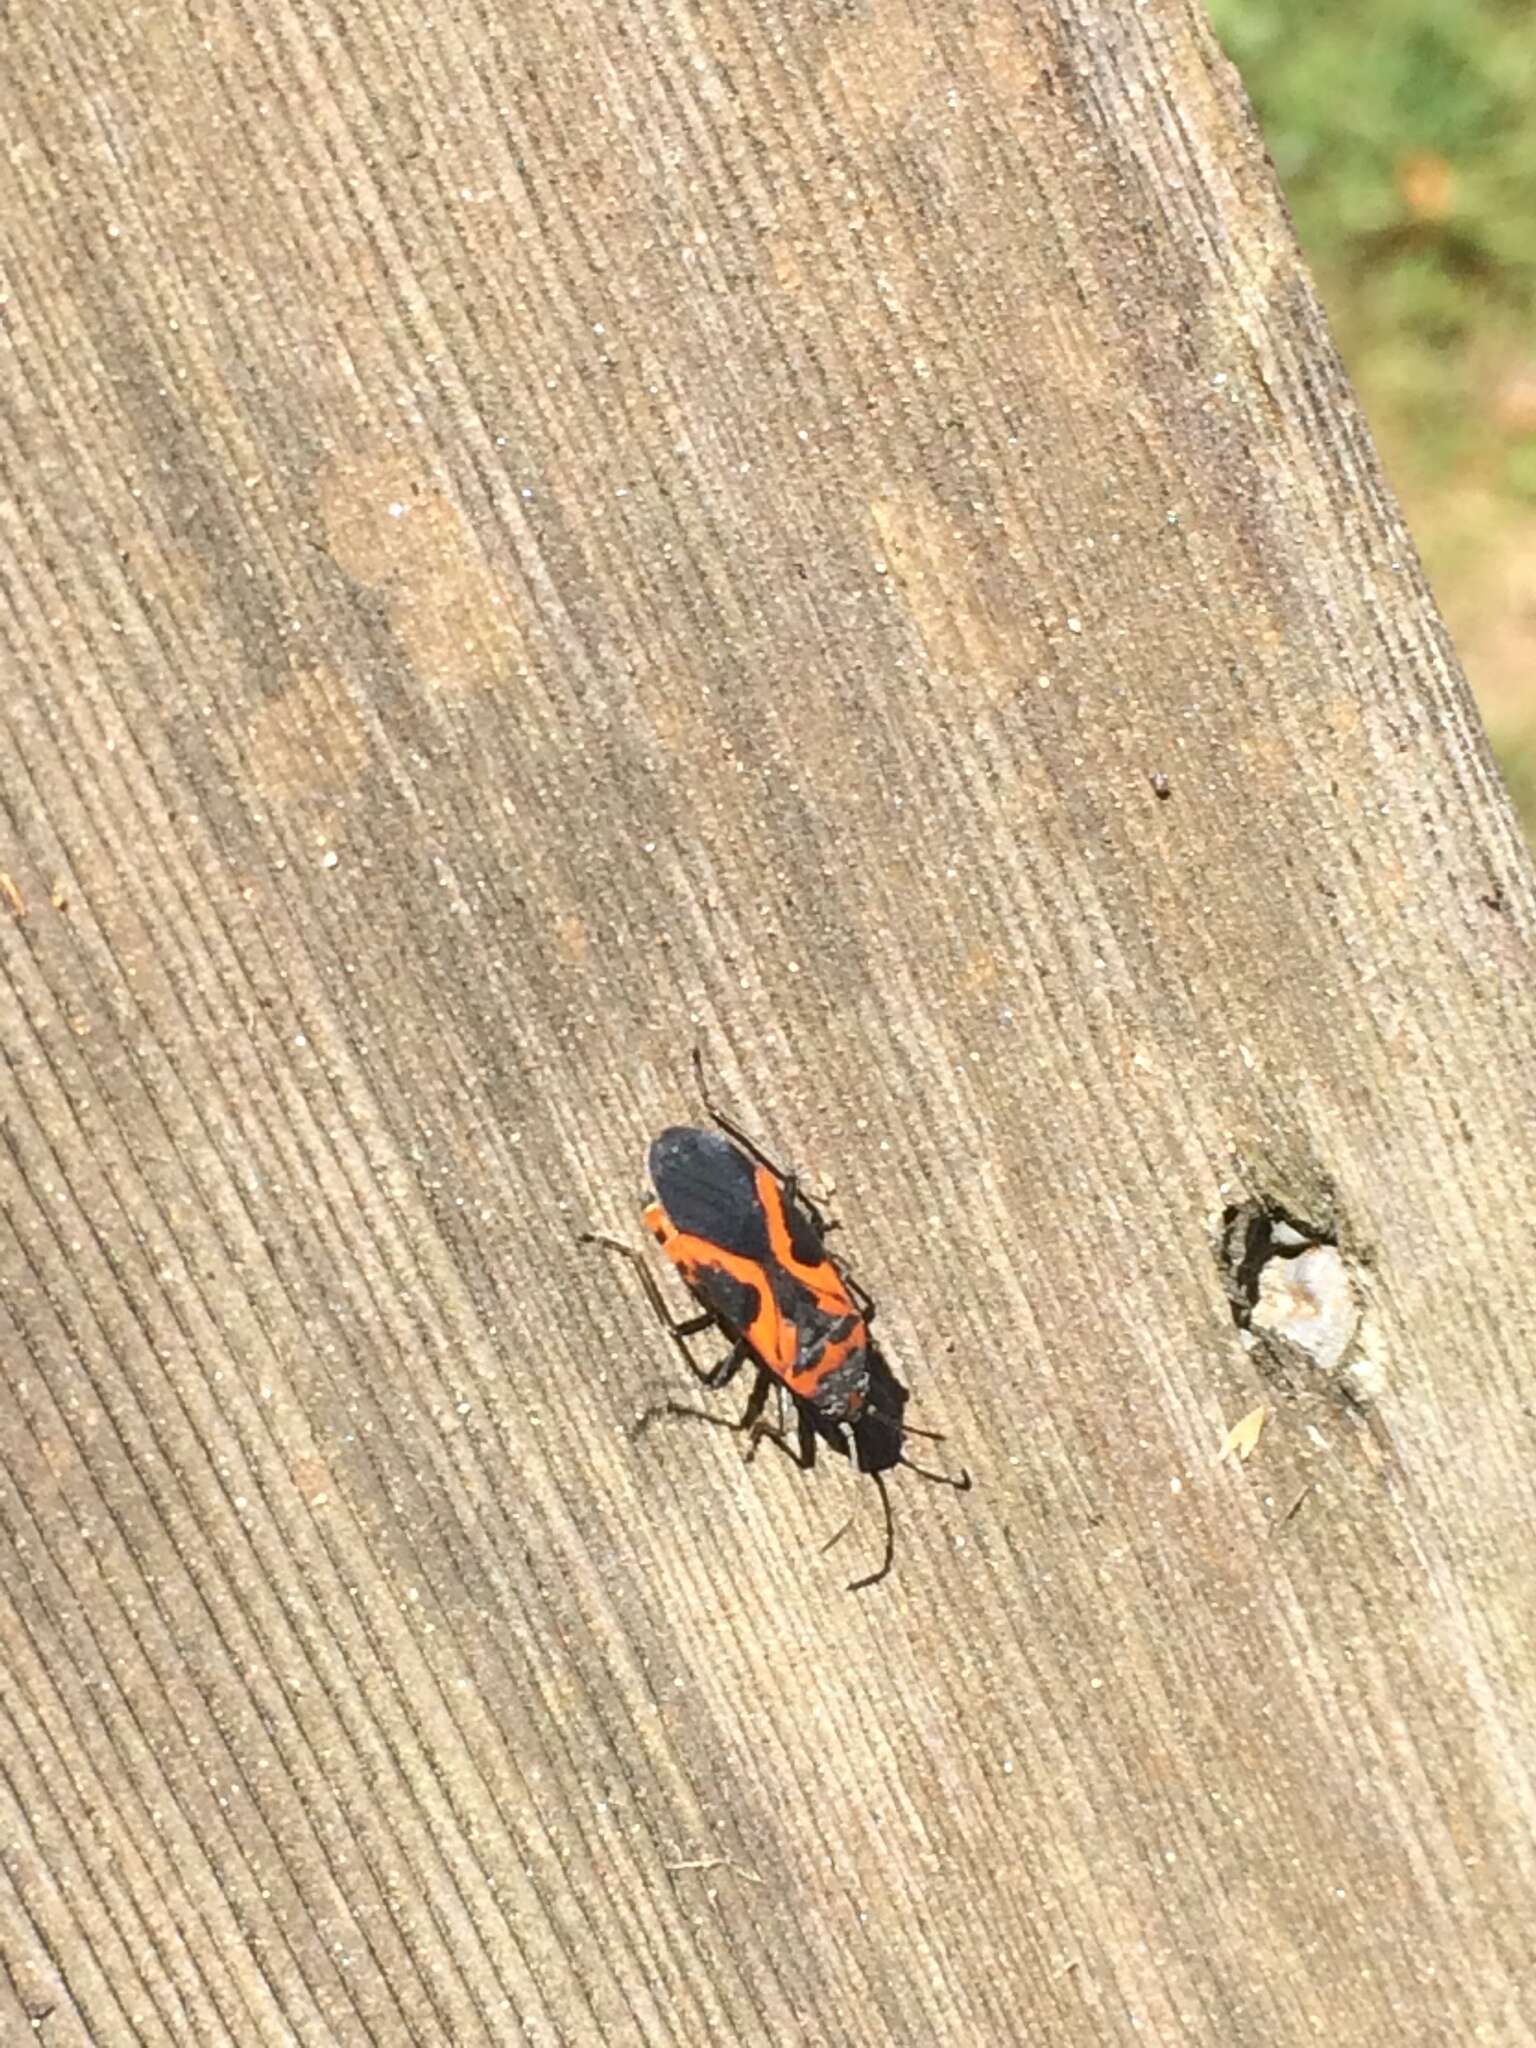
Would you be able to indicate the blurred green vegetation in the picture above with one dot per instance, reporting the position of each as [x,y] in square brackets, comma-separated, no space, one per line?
[1404,133]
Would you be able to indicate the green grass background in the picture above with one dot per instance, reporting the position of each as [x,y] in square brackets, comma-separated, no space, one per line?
[1404,133]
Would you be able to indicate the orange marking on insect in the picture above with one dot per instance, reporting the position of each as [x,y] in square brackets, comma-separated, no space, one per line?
[827,1287]
[772,1339]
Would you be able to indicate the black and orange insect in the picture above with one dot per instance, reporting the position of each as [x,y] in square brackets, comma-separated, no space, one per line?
[751,1248]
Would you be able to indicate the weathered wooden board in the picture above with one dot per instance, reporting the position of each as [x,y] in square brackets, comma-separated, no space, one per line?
[535,535]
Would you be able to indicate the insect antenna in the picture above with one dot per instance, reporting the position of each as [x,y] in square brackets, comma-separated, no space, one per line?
[870,1578]
[888,1559]
[960,1481]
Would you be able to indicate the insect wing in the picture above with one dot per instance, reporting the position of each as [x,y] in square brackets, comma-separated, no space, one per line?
[709,1191]
[713,1228]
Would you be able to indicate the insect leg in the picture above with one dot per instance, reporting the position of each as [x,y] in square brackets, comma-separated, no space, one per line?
[789,1182]
[863,1301]
[807,1440]
[690,1326]
[750,1421]
[752,1415]
[752,1418]
[804,1453]
[960,1481]
[728,1125]
[721,1375]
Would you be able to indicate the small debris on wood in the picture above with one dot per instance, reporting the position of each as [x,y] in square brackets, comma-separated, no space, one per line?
[714,1863]
[1242,1438]
[1281,1520]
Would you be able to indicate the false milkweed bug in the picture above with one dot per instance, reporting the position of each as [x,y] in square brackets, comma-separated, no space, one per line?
[750,1246]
